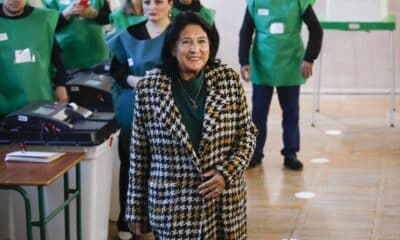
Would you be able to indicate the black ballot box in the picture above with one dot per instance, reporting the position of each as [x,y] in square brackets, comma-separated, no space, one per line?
[91,90]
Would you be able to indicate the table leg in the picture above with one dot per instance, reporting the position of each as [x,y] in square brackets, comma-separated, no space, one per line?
[319,72]
[66,210]
[28,208]
[392,85]
[316,89]
[42,214]
[78,202]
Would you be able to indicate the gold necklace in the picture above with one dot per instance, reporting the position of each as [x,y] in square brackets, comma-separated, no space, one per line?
[192,100]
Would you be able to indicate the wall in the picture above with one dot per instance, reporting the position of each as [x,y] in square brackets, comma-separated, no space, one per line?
[353,62]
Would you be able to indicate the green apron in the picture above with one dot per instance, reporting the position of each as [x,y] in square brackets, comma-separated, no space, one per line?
[25,54]
[141,55]
[121,21]
[277,52]
[208,14]
[82,40]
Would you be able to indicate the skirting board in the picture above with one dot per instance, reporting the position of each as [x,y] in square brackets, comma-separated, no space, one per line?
[344,91]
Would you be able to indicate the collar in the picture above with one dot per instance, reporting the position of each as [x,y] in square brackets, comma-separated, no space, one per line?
[27,11]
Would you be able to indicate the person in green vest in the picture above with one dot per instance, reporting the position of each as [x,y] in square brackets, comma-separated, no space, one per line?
[208,14]
[136,51]
[130,13]
[82,38]
[30,62]
[275,58]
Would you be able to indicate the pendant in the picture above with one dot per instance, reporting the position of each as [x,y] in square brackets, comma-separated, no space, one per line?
[194,106]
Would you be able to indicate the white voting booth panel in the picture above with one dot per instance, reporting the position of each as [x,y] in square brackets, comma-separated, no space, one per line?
[356,10]
[96,178]
[114,201]
[36,3]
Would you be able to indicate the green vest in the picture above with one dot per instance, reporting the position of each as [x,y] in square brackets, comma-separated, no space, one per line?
[82,40]
[208,14]
[121,21]
[277,52]
[140,55]
[25,54]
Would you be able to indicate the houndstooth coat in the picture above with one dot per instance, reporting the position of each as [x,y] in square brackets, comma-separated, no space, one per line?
[165,170]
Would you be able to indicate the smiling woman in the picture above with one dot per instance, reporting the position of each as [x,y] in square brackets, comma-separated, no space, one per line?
[192,51]
[191,141]
[136,50]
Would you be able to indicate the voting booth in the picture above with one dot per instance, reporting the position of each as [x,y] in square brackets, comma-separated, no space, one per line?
[354,16]
[356,10]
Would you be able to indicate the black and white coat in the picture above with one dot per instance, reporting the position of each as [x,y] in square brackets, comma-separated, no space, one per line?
[165,170]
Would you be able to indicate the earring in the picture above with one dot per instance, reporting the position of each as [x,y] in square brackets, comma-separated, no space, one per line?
[170,13]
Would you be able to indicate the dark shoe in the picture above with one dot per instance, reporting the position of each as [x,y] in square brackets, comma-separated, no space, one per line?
[293,164]
[125,235]
[123,230]
[254,162]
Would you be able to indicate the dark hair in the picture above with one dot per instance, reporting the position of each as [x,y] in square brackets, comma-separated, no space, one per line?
[129,7]
[195,6]
[169,62]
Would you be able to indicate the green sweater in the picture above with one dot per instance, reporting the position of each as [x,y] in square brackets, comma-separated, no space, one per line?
[190,98]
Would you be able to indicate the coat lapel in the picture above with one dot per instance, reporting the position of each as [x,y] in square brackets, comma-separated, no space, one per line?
[215,103]
[168,113]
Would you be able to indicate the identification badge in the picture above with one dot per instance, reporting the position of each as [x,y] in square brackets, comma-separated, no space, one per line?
[3,37]
[263,12]
[24,55]
[130,62]
[277,28]
[65,2]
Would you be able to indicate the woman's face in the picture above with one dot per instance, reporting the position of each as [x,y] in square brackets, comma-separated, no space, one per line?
[157,10]
[192,50]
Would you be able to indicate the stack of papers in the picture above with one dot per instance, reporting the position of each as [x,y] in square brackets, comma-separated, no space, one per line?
[31,156]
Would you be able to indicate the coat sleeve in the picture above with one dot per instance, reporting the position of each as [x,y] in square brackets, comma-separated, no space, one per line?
[244,142]
[136,210]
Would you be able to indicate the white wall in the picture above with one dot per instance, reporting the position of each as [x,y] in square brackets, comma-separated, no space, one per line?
[353,61]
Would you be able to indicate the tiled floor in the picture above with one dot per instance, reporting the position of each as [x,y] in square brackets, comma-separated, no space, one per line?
[357,193]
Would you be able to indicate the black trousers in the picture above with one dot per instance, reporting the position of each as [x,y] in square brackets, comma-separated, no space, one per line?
[289,102]
[123,152]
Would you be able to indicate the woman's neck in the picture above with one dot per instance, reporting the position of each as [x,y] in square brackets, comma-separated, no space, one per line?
[156,28]
[188,76]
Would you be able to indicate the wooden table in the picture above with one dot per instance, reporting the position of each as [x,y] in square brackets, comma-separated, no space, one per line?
[14,175]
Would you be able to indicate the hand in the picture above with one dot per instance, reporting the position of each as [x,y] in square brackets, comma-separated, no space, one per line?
[306,69]
[214,186]
[244,72]
[133,80]
[88,12]
[153,71]
[137,229]
[72,10]
[61,94]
